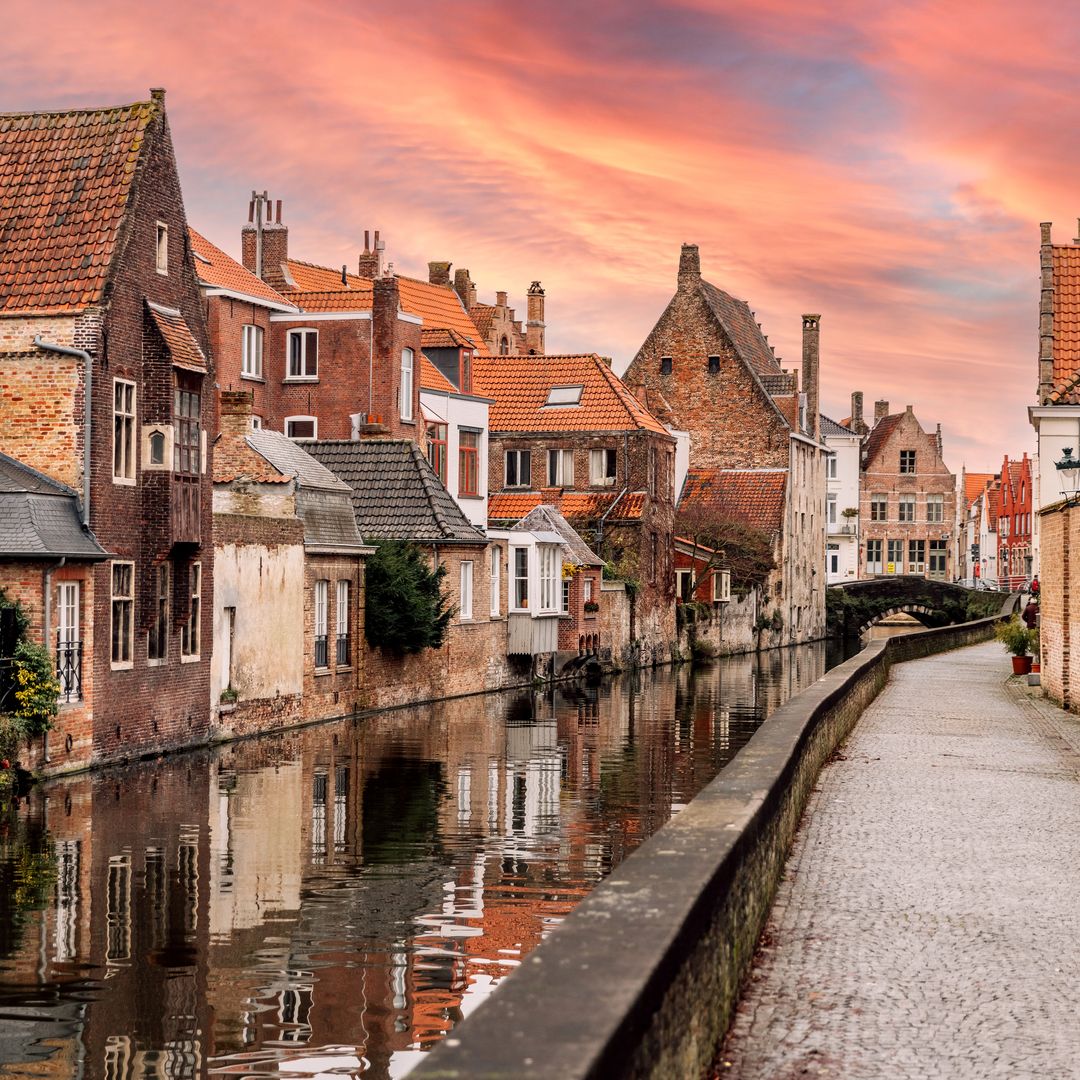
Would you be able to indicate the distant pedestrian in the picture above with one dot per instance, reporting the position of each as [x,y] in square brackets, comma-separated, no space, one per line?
[1030,615]
[1034,590]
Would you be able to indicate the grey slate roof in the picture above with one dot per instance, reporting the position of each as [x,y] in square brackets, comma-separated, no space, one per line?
[395,492]
[39,517]
[831,427]
[545,518]
[291,459]
[742,329]
[323,502]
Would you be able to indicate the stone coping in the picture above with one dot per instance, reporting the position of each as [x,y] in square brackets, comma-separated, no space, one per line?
[642,977]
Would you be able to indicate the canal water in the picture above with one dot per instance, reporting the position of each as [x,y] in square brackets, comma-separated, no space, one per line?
[332,901]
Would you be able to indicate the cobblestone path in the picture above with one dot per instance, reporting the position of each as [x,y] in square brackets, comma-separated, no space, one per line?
[929,920]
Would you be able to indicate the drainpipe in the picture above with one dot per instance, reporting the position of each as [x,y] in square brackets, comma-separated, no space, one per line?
[88,367]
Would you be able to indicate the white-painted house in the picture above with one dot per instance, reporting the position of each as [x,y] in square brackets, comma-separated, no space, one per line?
[841,494]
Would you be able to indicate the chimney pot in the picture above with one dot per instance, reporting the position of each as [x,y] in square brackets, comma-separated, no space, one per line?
[500,299]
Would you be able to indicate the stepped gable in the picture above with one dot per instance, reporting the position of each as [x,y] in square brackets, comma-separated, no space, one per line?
[520,386]
[396,495]
[879,435]
[742,330]
[545,518]
[755,496]
[218,270]
[66,182]
[39,517]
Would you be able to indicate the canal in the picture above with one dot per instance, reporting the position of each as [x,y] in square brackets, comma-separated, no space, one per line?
[331,901]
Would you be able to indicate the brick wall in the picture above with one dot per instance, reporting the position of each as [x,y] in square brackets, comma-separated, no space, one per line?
[1059,624]
[225,322]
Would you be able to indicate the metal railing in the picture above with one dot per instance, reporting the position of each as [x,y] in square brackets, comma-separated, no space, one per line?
[69,669]
[343,650]
[321,652]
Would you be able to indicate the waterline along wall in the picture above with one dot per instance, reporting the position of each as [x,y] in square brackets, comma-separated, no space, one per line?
[641,979]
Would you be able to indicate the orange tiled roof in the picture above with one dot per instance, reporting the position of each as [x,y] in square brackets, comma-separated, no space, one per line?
[308,277]
[755,496]
[520,386]
[575,505]
[975,484]
[431,378]
[221,271]
[875,441]
[65,185]
[334,300]
[181,343]
[444,339]
[482,316]
[1066,277]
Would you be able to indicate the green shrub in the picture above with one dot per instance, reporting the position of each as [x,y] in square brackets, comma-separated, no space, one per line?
[406,610]
[37,692]
[1014,636]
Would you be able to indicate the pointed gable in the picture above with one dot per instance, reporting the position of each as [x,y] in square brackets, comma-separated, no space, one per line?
[66,181]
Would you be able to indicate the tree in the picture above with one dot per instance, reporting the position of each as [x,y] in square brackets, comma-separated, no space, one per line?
[406,610]
[719,539]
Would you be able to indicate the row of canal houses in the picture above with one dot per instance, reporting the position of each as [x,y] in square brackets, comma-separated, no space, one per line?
[198,454]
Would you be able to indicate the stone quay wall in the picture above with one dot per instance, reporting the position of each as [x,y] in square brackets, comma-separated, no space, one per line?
[692,901]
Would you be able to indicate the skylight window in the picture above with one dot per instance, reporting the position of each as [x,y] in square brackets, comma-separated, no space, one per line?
[564,395]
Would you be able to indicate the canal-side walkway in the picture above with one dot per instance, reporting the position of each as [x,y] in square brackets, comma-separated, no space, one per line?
[928,924]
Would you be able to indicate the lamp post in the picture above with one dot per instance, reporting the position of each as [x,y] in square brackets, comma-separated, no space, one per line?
[1069,469]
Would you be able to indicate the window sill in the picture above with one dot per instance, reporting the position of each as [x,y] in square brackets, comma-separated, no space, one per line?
[124,481]
[300,379]
[467,495]
[192,658]
[253,378]
[408,420]
[126,666]
[323,671]
[157,663]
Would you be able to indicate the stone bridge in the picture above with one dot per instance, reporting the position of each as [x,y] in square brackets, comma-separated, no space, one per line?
[855,606]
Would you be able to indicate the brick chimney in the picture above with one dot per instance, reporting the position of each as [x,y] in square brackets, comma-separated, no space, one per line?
[438,273]
[689,267]
[881,410]
[1046,316]
[811,372]
[464,287]
[234,410]
[500,299]
[264,240]
[940,445]
[534,327]
[550,496]
[858,425]
[369,265]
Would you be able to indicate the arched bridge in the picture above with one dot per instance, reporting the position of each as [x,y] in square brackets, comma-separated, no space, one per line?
[853,607]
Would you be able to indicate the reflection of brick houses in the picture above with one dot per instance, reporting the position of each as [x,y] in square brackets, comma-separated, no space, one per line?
[907,512]
[567,425]
[1014,523]
[106,388]
[707,369]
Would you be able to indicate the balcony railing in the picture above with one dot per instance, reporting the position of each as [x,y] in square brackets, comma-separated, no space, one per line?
[343,650]
[321,651]
[69,669]
[842,528]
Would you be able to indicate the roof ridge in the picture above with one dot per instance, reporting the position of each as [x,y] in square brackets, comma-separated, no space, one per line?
[88,110]
[426,478]
[63,489]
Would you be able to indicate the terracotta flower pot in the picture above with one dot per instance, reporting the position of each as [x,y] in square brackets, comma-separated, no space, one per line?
[1021,665]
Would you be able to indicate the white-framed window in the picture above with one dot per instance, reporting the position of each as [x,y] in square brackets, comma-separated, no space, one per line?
[191,630]
[830,467]
[341,616]
[124,403]
[520,563]
[68,643]
[549,577]
[602,467]
[123,613]
[256,422]
[465,607]
[302,427]
[157,645]
[684,579]
[406,400]
[564,395]
[879,506]
[322,603]
[161,248]
[906,508]
[302,350]
[935,509]
[518,471]
[830,508]
[560,468]
[496,580]
[894,556]
[721,586]
[873,556]
[251,356]
[564,603]
[586,590]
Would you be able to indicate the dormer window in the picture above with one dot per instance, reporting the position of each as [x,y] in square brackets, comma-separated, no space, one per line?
[564,395]
[161,249]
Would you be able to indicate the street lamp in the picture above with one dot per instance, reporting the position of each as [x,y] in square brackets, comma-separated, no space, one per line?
[1069,468]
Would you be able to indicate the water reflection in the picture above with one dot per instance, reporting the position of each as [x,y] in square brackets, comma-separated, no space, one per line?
[334,900]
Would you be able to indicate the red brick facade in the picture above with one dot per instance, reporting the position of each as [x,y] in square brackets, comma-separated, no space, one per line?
[1015,511]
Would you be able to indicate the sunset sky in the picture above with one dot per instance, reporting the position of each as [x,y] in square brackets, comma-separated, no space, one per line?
[886,165]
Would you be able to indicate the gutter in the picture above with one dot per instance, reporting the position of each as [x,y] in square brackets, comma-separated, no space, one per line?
[88,367]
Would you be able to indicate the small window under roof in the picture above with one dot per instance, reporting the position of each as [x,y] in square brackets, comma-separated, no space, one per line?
[564,395]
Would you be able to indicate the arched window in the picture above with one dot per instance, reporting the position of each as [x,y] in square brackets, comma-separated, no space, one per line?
[504,346]
[157,448]
[406,399]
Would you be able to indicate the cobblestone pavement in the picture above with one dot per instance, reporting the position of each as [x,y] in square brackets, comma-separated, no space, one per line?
[928,924]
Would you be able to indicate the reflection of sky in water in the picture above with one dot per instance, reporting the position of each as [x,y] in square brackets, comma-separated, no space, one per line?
[332,901]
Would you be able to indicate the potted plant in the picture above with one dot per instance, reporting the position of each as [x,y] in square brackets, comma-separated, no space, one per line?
[1016,639]
[591,606]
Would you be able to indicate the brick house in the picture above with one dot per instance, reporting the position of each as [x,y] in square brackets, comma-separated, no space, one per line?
[1014,523]
[565,430]
[106,379]
[1056,419]
[289,611]
[707,369]
[47,558]
[397,496]
[907,509]
[970,498]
